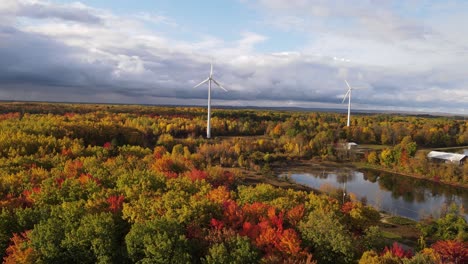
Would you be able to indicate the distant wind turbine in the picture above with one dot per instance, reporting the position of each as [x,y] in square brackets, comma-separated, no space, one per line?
[209,80]
[348,94]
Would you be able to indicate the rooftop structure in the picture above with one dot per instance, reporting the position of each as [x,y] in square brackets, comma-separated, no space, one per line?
[447,157]
[351,145]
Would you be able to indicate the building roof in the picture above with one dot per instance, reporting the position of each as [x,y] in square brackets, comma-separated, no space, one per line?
[446,156]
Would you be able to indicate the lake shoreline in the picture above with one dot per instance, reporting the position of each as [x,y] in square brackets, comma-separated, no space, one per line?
[297,170]
[407,235]
[416,176]
[285,166]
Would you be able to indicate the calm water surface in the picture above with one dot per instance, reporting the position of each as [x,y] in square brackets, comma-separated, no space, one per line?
[396,194]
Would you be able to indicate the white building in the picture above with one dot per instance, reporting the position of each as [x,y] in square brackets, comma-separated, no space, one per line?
[351,145]
[447,157]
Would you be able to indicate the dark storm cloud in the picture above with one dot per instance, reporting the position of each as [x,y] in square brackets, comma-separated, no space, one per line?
[35,62]
[31,60]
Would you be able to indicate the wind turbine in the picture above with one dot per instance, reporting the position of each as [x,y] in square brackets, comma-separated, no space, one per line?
[348,94]
[209,80]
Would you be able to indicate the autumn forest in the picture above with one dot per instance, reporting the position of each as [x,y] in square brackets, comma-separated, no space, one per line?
[86,183]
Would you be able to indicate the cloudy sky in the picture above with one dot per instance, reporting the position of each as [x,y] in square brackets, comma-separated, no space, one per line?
[405,55]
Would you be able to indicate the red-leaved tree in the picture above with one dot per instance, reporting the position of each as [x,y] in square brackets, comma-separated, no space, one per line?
[18,251]
[115,203]
[452,251]
[398,251]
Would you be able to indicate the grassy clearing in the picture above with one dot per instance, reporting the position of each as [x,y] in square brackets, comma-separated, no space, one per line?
[391,235]
[397,220]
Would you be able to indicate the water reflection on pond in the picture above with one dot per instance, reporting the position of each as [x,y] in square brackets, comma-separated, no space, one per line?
[400,195]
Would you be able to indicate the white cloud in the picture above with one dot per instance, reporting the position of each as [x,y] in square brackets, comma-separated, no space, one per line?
[249,40]
[156,19]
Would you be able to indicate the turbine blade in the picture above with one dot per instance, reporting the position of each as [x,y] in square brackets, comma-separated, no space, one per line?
[219,85]
[346,95]
[211,70]
[348,84]
[207,79]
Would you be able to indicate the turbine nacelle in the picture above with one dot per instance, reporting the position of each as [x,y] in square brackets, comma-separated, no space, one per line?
[209,79]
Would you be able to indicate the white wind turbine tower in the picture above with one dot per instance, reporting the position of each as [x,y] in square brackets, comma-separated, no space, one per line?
[348,94]
[209,80]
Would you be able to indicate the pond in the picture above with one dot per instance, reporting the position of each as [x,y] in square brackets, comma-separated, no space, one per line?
[395,194]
